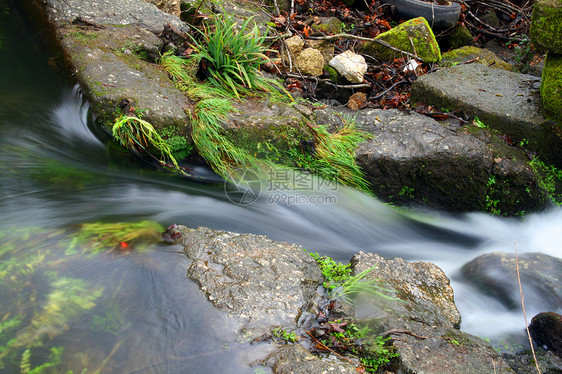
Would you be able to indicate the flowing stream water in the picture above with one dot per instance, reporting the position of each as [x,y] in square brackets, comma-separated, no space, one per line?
[137,312]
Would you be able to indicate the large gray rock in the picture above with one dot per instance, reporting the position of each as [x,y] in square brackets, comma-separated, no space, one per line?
[422,326]
[263,283]
[109,46]
[114,12]
[108,70]
[503,100]
[495,273]
[414,158]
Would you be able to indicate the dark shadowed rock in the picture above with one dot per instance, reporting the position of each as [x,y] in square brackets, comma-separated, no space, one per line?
[496,274]
[413,158]
[546,330]
[262,282]
[504,100]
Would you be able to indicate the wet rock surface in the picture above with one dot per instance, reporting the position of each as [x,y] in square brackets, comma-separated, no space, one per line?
[296,359]
[264,283]
[546,330]
[422,326]
[423,290]
[414,158]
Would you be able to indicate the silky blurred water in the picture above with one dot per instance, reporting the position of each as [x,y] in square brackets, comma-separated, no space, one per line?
[55,173]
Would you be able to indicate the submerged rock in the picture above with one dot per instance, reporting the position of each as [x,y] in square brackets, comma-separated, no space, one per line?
[495,274]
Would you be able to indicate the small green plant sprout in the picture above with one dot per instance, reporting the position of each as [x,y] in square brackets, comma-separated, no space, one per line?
[340,284]
[101,236]
[138,136]
[377,354]
[478,123]
[230,57]
[289,337]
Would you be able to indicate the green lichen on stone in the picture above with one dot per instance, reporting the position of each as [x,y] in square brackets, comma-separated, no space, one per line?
[414,32]
[546,25]
[551,87]
[470,52]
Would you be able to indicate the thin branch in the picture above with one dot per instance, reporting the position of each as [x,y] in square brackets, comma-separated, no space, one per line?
[524,313]
[378,41]
[328,81]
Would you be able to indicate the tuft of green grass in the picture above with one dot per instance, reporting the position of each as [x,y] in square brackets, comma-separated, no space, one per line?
[232,56]
[338,150]
[138,135]
[341,285]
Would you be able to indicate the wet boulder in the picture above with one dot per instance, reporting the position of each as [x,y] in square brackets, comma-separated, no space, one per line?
[291,359]
[422,290]
[421,325]
[412,158]
[496,274]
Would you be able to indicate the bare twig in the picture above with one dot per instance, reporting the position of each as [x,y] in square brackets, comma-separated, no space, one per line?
[524,313]
[328,81]
[378,41]
[397,331]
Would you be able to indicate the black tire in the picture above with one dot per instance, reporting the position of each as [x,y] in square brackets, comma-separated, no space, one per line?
[439,17]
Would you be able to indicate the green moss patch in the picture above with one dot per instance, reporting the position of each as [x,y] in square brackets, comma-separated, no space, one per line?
[480,55]
[417,30]
[551,86]
[546,25]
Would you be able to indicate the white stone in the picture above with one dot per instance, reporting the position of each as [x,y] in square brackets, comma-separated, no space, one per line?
[350,65]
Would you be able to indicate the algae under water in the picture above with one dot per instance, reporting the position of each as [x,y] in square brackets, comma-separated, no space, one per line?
[66,305]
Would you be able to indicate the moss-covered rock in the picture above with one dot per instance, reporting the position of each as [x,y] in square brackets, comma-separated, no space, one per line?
[551,86]
[469,52]
[415,31]
[546,25]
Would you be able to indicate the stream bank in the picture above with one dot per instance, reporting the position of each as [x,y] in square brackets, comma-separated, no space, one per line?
[112,51]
